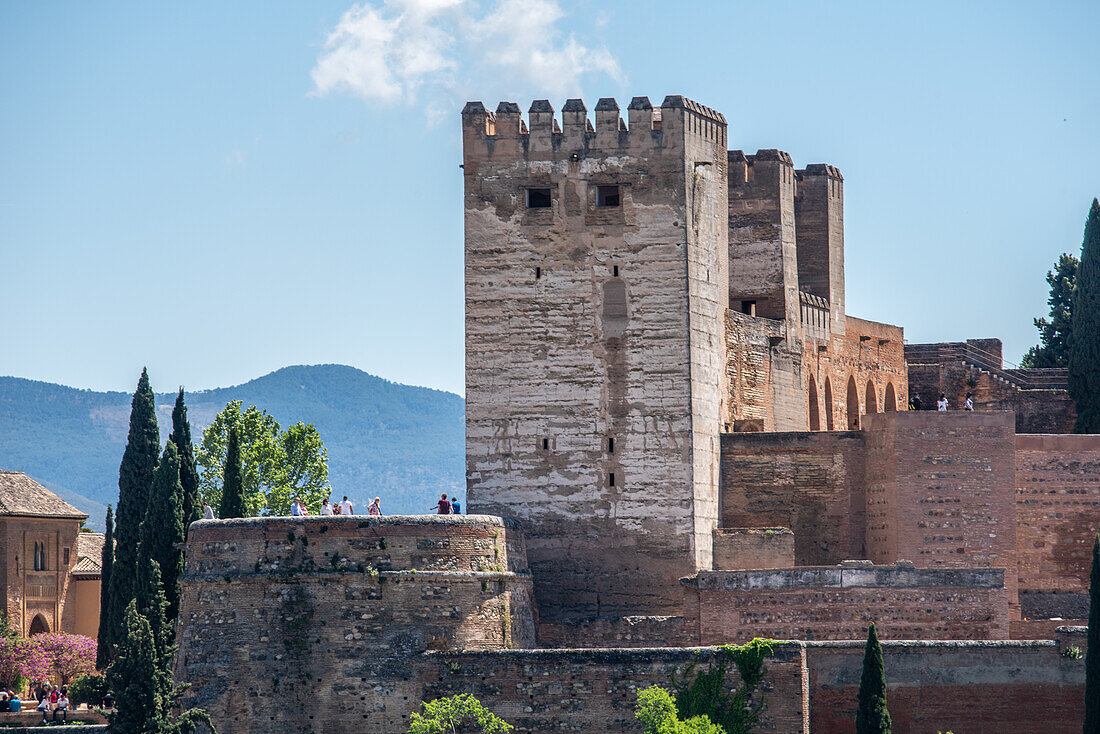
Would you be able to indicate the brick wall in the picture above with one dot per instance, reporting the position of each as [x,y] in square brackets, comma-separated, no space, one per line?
[831,603]
[737,549]
[1058,514]
[968,688]
[811,483]
[940,491]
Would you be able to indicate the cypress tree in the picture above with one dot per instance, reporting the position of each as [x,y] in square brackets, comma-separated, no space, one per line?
[872,716]
[189,475]
[1092,655]
[152,604]
[140,707]
[162,529]
[104,638]
[135,478]
[1084,346]
[233,481]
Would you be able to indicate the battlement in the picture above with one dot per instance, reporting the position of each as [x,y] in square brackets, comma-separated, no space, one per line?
[819,169]
[505,133]
[770,164]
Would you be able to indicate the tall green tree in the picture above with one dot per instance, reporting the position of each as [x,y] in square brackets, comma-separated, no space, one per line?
[277,465]
[135,479]
[152,604]
[1092,655]
[872,716]
[105,638]
[1053,347]
[232,494]
[162,531]
[461,714]
[189,473]
[1084,348]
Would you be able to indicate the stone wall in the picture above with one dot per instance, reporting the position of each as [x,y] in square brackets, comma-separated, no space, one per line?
[836,603]
[965,687]
[1058,515]
[811,483]
[738,549]
[286,623]
[940,491]
[594,371]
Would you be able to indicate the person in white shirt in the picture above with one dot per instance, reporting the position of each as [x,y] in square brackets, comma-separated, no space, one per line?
[346,507]
[296,509]
[326,508]
[207,512]
[941,404]
[969,404]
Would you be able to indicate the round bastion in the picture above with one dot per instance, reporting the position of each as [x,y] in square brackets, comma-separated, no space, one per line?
[292,615]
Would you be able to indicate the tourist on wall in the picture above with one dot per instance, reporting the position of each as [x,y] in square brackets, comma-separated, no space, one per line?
[326,508]
[375,507]
[941,404]
[44,706]
[969,404]
[207,512]
[443,507]
[346,507]
[455,507]
[296,508]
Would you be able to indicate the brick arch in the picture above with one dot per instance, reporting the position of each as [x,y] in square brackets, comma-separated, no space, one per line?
[871,397]
[39,625]
[815,411]
[851,413]
[890,402]
[828,404]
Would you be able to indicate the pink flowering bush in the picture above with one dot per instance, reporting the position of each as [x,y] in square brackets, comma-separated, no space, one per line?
[66,656]
[19,661]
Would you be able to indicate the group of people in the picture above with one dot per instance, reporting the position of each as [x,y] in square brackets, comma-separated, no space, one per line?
[298,508]
[10,701]
[447,506]
[941,404]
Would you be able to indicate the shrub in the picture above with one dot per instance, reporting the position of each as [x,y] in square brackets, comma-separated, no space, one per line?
[89,689]
[66,656]
[656,710]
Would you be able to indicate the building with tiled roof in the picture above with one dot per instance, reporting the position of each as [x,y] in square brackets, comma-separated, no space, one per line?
[49,569]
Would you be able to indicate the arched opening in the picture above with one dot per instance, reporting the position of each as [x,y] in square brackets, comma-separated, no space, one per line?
[890,402]
[828,405]
[852,405]
[815,412]
[871,398]
[38,626]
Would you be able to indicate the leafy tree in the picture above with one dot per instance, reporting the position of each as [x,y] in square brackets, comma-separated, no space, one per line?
[135,478]
[189,474]
[872,716]
[66,656]
[1092,655]
[657,711]
[1054,335]
[277,465]
[707,693]
[461,714]
[162,531]
[1084,348]
[89,688]
[105,638]
[232,495]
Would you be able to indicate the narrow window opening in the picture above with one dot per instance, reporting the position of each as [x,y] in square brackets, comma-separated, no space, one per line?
[607,196]
[611,479]
[538,273]
[66,557]
[545,444]
[538,198]
[610,445]
[615,271]
[748,307]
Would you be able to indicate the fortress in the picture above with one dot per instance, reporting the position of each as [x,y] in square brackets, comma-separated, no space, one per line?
[676,436]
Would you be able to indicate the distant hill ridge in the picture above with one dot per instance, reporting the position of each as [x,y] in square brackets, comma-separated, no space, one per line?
[403,443]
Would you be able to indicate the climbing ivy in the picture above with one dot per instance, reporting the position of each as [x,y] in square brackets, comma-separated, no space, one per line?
[706,693]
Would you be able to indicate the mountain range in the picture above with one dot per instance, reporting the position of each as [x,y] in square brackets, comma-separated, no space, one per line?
[402,443]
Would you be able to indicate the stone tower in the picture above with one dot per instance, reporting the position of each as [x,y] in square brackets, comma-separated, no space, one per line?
[596,287]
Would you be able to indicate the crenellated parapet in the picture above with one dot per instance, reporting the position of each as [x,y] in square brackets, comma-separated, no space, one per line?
[505,133]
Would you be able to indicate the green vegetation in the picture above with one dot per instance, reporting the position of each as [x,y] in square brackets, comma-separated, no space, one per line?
[657,712]
[89,689]
[162,533]
[189,475]
[405,444]
[105,636]
[232,495]
[707,693]
[1084,346]
[461,714]
[135,478]
[1092,656]
[276,465]
[872,717]
[1054,335]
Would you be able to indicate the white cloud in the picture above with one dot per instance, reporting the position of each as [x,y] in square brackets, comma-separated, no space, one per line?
[401,50]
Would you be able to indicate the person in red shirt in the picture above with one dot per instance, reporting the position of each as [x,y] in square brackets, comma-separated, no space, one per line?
[443,507]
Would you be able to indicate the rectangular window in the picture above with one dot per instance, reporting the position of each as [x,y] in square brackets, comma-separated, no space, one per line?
[545,444]
[748,307]
[538,273]
[615,271]
[611,479]
[66,554]
[607,196]
[610,445]
[538,198]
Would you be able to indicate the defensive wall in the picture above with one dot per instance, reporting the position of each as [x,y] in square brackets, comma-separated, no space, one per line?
[322,624]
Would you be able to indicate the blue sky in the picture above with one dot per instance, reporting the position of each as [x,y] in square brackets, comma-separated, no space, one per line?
[217,190]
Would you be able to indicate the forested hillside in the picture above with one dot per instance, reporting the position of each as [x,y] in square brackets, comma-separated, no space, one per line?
[402,443]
